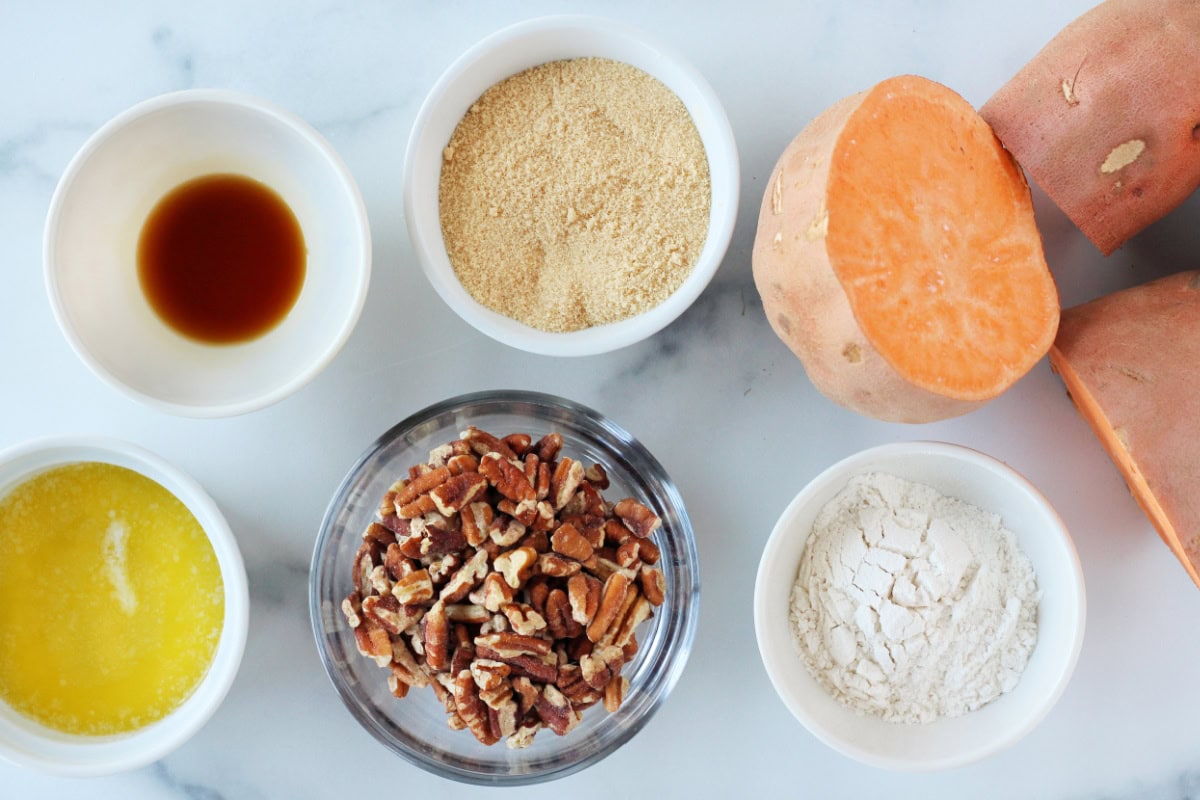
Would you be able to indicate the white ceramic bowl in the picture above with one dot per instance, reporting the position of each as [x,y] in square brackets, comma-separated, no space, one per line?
[31,744]
[97,213]
[982,481]
[513,50]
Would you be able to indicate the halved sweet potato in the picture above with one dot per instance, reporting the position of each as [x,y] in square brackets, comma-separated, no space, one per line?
[897,256]
[1106,118]
[1131,362]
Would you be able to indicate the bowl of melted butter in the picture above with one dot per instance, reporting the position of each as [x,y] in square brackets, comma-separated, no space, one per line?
[123,606]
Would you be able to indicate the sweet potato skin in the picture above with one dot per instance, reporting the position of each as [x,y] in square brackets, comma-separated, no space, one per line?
[1131,362]
[1106,118]
[803,299]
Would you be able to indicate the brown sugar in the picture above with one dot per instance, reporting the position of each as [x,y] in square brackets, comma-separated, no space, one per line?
[574,194]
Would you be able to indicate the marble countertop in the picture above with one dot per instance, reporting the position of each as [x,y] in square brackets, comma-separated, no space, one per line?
[715,396]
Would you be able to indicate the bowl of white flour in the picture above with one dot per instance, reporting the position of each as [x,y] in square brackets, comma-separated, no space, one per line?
[919,606]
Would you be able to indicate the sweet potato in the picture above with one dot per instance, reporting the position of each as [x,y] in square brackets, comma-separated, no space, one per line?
[1131,363]
[1106,118]
[898,258]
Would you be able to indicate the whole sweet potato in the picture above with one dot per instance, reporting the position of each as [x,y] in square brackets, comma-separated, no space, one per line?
[1106,118]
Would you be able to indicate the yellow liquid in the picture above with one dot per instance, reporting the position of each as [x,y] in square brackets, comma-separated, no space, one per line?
[111,599]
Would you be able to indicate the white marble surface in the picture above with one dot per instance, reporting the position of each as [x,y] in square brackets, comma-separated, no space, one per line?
[720,401]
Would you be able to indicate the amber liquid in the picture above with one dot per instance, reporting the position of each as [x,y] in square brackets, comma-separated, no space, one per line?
[221,259]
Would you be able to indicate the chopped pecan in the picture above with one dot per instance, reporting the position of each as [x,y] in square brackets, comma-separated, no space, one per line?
[639,519]
[373,642]
[553,565]
[389,614]
[536,591]
[414,588]
[489,674]
[614,693]
[352,609]
[471,709]
[541,669]
[634,552]
[507,478]
[654,585]
[493,593]
[525,512]
[398,565]
[583,593]
[397,687]
[466,578]
[569,542]
[637,613]
[482,443]
[467,613]
[597,476]
[404,665]
[506,531]
[410,490]
[378,581]
[523,619]
[442,568]
[464,648]
[567,477]
[377,533]
[549,446]
[516,565]
[462,463]
[476,522]
[558,616]
[543,519]
[538,540]
[616,533]
[457,492]
[611,598]
[523,736]
[364,562]
[518,442]
[555,710]
[526,691]
[508,644]
[435,630]
[599,666]
[419,507]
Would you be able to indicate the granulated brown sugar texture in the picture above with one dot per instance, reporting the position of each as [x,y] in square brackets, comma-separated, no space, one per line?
[574,194]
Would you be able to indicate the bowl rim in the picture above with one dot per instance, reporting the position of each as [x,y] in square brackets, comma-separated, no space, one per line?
[249,103]
[154,741]
[689,611]
[431,252]
[840,472]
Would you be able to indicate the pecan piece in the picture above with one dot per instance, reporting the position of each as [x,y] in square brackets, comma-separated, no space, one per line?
[526,691]
[637,612]
[377,533]
[654,585]
[567,477]
[634,552]
[467,613]
[476,521]
[506,531]
[507,478]
[373,642]
[364,562]
[398,565]
[458,464]
[549,446]
[553,565]
[435,631]
[352,609]
[639,519]
[389,614]
[482,443]
[471,709]
[583,593]
[464,648]
[555,710]
[410,490]
[516,565]
[599,666]
[523,619]
[414,588]
[489,674]
[519,442]
[611,598]
[466,578]
[457,492]
[597,476]
[569,542]
[524,734]
[404,665]
[508,645]
[561,623]
[614,693]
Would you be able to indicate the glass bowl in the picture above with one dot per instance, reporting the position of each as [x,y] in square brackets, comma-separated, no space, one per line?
[415,727]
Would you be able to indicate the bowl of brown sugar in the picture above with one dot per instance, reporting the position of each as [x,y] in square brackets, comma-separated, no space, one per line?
[570,185]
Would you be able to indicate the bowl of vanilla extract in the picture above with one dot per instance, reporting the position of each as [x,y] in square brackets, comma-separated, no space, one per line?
[207,253]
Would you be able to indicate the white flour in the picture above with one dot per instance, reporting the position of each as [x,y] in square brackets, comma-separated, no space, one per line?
[910,605]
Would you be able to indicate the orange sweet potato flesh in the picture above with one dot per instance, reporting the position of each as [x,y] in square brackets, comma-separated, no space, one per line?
[897,255]
[1131,363]
[1106,118]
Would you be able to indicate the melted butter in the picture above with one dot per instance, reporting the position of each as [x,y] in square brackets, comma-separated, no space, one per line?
[111,599]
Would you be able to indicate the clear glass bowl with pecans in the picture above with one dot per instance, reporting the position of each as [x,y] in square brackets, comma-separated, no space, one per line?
[505,588]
